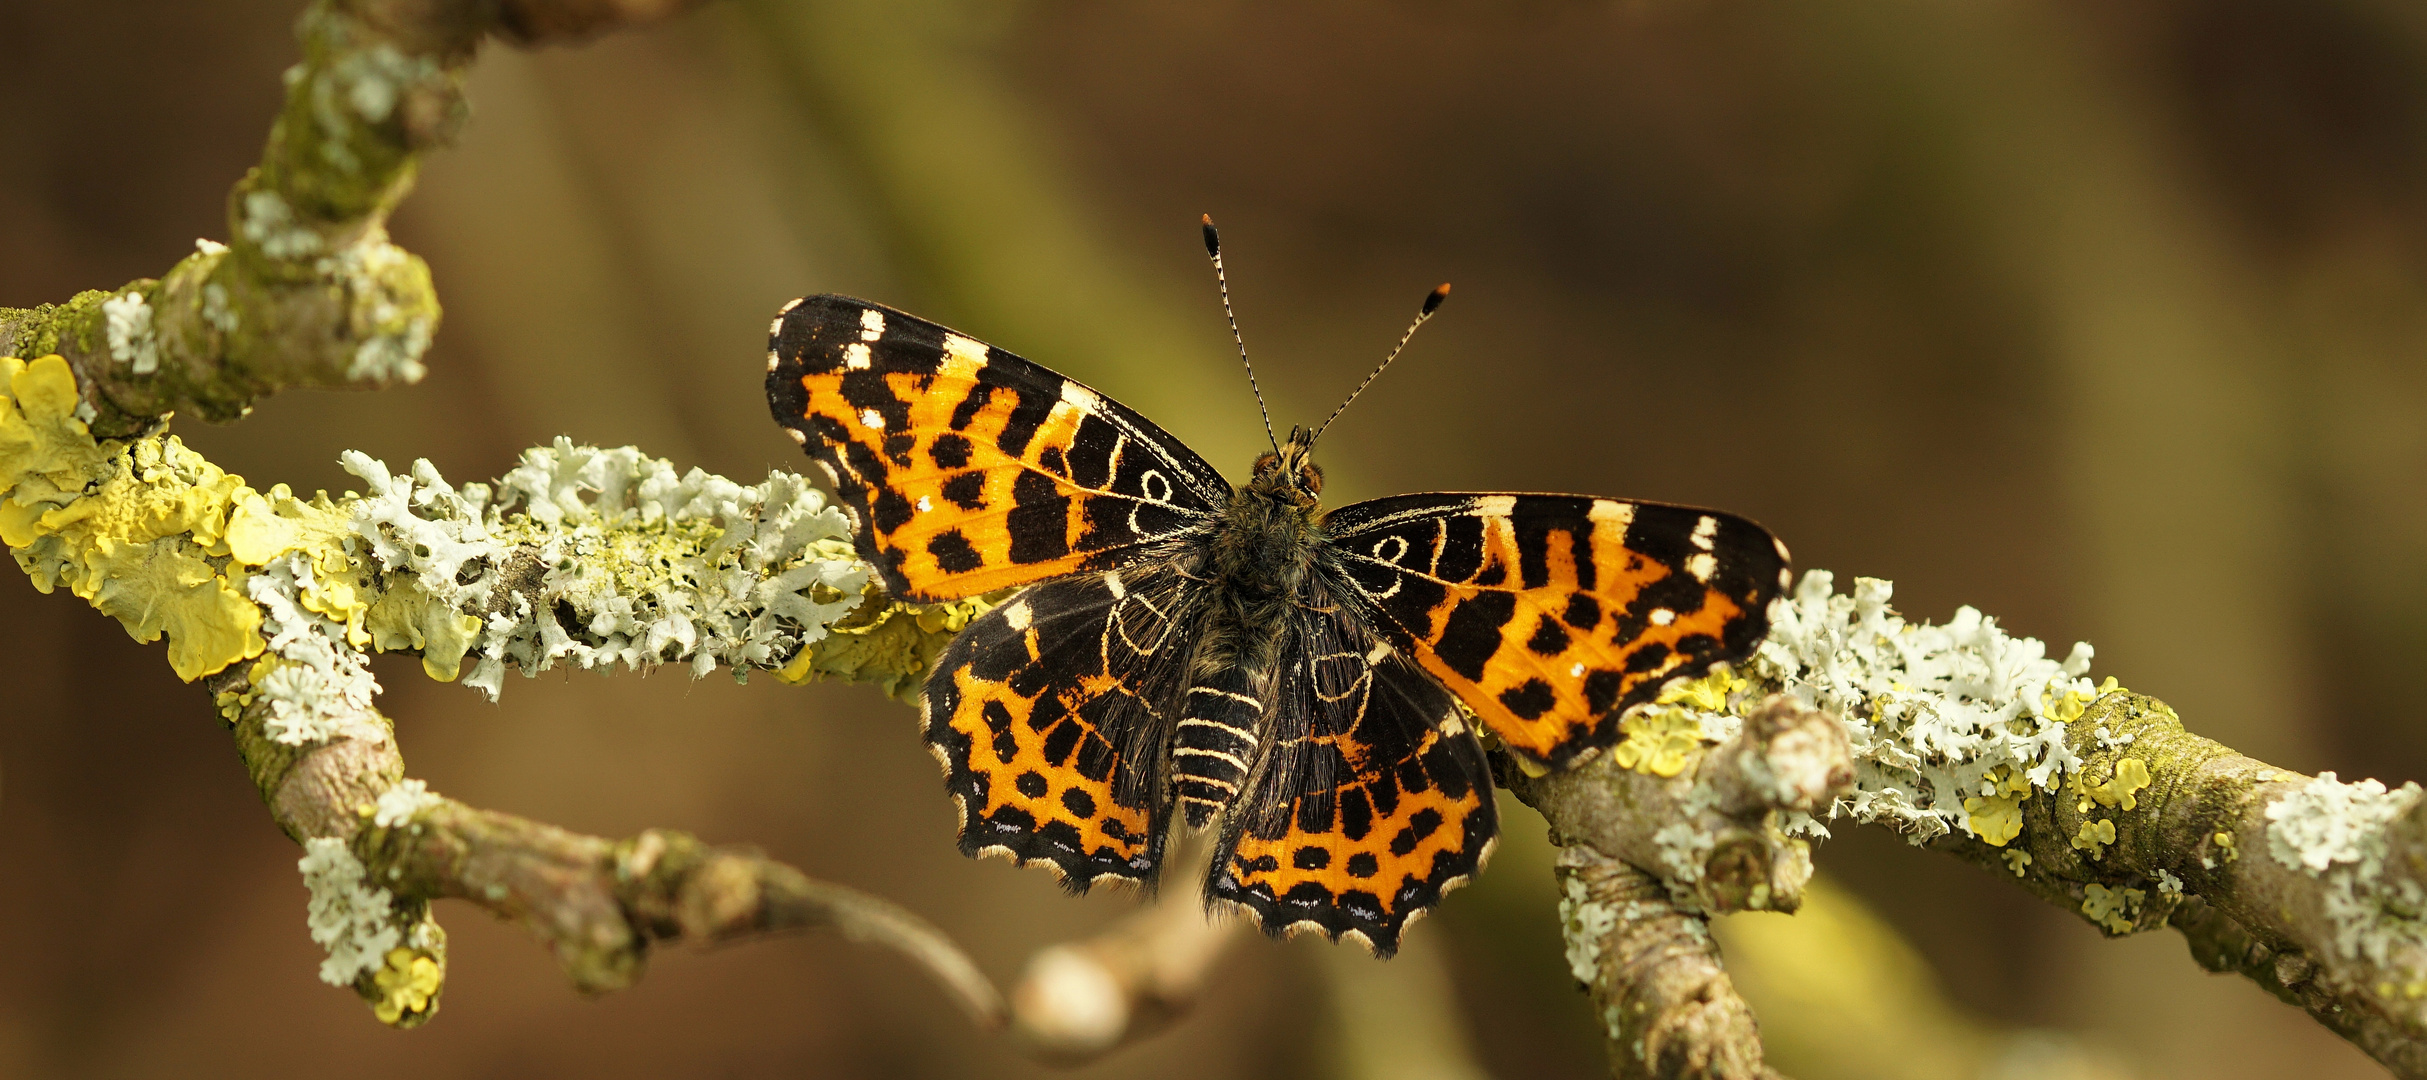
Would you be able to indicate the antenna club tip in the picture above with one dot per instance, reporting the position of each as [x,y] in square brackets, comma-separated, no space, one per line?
[1213,240]
[1432,300]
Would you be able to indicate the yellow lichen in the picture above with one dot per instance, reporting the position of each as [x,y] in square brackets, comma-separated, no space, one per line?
[2131,775]
[2094,836]
[1658,742]
[2224,841]
[47,456]
[2067,709]
[408,617]
[232,702]
[2113,909]
[1996,820]
[885,642]
[1662,740]
[136,529]
[408,982]
[2016,860]
[1995,815]
[1709,693]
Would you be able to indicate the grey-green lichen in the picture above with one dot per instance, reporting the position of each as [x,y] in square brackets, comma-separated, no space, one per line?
[609,558]
[2338,833]
[1950,723]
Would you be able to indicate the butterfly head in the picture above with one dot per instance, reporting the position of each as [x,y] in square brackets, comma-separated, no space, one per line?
[1289,475]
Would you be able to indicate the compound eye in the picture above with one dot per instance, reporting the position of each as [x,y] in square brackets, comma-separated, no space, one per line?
[1265,463]
[1310,477]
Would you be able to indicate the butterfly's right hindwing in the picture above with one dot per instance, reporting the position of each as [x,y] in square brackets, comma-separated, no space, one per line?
[967,469]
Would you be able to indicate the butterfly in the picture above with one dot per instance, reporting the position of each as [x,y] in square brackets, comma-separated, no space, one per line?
[1304,683]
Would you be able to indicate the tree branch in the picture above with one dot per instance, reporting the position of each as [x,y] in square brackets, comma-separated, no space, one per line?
[1654,845]
[307,291]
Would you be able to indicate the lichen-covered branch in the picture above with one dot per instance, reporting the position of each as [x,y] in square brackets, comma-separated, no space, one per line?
[306,290]
[1663,834]
[1654,974]
[1976,743]
[601,558]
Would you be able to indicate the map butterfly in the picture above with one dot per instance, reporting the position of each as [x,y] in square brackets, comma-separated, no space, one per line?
[1238,657]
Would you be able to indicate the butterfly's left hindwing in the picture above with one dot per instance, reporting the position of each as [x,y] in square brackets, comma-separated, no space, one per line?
[967,469]
[1373,799]
[1551,615]
[1045,709]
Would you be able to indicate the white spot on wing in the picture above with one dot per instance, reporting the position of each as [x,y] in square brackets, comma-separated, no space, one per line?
[1611,511]
[925,504]
[873,419]
[1663,616]
[772,361]
[1080,397]
[787,309]
[1453,724]
[967,350]
[855,356]
[1781,545]
[1575,671]
[1017,615]
[1704,530]
[1494,505]
[1112,583]
[798,436]
[872,325]
[1379,653]
[1700,565]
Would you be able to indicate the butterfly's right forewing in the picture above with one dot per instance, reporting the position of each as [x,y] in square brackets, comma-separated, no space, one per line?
[1552,615]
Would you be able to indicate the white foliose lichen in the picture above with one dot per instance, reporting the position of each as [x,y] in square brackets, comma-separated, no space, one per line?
[129,329]
[2336,832]
[394,336]
[1584,922]
[1931,711]
[601,558]
[401,804]
[320,687]
[353,920]
[271,225]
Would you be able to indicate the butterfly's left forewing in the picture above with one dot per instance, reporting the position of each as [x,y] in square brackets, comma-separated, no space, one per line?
[1551,615]
[967,469]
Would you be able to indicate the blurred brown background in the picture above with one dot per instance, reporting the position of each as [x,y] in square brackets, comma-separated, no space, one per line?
[2105,318]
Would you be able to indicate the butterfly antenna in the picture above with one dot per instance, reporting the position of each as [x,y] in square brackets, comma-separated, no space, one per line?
[1213,247]
[1432,303]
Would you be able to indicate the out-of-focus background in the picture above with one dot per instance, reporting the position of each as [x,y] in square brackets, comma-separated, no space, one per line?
[2105,318]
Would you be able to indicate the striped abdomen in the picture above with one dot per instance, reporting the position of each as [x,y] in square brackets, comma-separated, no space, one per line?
[1214,745]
